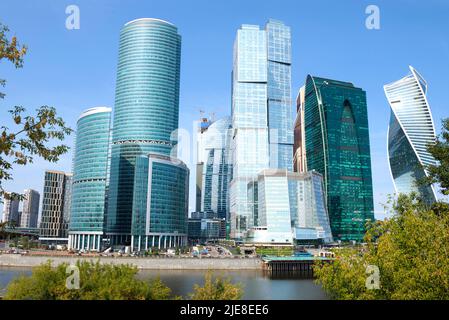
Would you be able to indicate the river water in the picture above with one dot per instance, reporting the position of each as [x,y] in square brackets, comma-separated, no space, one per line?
[256,284]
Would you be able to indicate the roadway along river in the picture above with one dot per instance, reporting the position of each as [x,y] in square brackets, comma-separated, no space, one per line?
[256,285]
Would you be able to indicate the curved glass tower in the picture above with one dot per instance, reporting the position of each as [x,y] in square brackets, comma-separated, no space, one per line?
[217,169]
[411,129]
[89,179]
[146,111]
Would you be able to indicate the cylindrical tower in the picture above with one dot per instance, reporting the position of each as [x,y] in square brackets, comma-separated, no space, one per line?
[146,111]
[89,179]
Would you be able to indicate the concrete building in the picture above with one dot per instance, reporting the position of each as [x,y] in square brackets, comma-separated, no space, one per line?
[11,210]
[30,209]
[55,206]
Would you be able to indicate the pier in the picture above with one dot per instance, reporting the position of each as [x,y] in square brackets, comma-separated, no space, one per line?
[301,266]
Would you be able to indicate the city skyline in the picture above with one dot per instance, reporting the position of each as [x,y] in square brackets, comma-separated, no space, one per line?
[68,106]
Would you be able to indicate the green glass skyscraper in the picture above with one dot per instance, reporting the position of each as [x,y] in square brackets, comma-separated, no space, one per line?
[337,146]
[146,111]
[90,166]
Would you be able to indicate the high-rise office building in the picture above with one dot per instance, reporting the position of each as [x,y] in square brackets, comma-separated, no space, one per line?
[289,206]
[55,206]
[310,219]
[203,125]
[90,165]
[11,210]
[145,114]
[337,146]
[411,129]
[299,150]
[160,203]
[30,210]
[216,168]
[261,112]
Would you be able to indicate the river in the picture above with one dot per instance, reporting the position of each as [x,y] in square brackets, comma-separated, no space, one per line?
[256,284]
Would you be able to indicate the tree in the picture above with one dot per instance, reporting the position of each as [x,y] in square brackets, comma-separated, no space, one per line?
[410,250]
[216,289]
[32,135]
[97,282]
[439,172]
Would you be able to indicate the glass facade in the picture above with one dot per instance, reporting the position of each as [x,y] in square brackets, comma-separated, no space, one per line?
[289,204]
[337,146]
[146,111]
[411,129]
[217,169]
[261,113]
[90,165]
[309,211]
[160,203]
[274,206]
[280,113]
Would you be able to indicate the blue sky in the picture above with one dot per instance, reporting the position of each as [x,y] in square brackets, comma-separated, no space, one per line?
[76,69]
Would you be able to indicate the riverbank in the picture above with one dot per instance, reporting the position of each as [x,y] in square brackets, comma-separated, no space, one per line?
[147,263]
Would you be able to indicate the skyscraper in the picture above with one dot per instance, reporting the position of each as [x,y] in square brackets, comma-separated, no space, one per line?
[146,111]
[261,112]
[216,168]
[11,210]
[289,206]
[160,203]
[55,212]
[89,179]
[337,146]
[310,218]
[200,159]
[411,129]
[30,210]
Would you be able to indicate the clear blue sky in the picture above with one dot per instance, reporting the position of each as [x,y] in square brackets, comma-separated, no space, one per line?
[76,69]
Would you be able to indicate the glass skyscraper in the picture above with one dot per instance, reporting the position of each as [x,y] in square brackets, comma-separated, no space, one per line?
[289,206]
[217,168]
[160,203]
[411,129]
[310,218]
[146,111]
[337,146]
[261,112]
[89,179]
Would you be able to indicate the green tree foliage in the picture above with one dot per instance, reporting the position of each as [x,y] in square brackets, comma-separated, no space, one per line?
[31,135]
[410,250]
[439,173]
[97,282]
[216,289]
